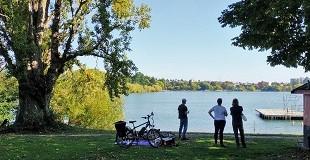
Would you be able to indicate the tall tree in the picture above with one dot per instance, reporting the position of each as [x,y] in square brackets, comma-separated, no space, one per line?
[40,38]
[281,27]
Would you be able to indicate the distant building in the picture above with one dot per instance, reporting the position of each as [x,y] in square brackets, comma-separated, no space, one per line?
[305,80]
[300,80]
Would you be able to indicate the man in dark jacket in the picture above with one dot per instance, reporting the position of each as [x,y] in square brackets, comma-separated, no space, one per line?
[183,111]
[236,113]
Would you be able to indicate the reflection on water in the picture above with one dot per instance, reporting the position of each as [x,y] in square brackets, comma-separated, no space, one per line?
[165,104]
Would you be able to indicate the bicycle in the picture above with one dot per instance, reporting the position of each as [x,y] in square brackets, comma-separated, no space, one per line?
[126,137]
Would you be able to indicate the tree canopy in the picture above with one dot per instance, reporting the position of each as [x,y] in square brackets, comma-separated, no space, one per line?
[141,83]
[281,27]
[44,36]
[40,39]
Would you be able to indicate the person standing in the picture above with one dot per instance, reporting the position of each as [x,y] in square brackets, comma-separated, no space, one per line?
[236,113]
[220,113]
[183,111]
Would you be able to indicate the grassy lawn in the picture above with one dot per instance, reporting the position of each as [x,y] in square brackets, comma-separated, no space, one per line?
[101,146]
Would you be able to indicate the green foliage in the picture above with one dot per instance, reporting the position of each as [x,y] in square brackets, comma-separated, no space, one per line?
[82,96]
[205,86]
[138,88]
[17,22]
[8,96]
[281,27]
[228,85]
[41,38]
[141,83]
[140,78]
[193,85]
[218,87]
[125,8]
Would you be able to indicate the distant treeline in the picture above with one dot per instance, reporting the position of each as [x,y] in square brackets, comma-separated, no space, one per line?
[141,83]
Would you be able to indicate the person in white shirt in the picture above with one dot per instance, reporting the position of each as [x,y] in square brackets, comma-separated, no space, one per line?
[220,113]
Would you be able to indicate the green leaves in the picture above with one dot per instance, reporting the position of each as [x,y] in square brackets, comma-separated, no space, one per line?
[39,40]
[276,26]
[123,8]
[46,36]
[8,96]
[82,96]
[143,16]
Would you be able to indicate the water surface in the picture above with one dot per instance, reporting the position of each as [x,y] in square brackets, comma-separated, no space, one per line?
[165,104]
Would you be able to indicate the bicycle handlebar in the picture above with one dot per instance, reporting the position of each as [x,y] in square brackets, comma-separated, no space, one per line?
[148,116]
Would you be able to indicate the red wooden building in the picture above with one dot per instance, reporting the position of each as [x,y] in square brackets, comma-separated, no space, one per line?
[305,90]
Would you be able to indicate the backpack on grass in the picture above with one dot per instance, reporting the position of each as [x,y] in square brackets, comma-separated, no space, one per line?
[168,139]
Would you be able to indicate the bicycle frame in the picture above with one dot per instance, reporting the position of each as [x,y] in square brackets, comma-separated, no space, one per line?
[147,123]
[148,133]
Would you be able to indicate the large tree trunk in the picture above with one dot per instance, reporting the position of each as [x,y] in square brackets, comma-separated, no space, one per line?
[34,106]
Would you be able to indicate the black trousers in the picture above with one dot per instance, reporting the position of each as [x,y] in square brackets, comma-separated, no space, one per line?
[239,126]
[219,127]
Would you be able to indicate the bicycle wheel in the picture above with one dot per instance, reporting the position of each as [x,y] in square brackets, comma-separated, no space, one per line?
[154,138]
[126,141]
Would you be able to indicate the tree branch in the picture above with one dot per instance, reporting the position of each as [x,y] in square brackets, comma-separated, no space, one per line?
[55,29]
[49,18]
[85,52]
[55,39]
[72,31]
[3,15]
[5,53]
[46,12]
[5,35]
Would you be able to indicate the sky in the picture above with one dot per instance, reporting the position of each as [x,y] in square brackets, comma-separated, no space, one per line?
[186,41]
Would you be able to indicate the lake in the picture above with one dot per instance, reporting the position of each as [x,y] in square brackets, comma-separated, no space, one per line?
[165,104]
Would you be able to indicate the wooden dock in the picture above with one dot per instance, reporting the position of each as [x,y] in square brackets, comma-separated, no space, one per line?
[280,114]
